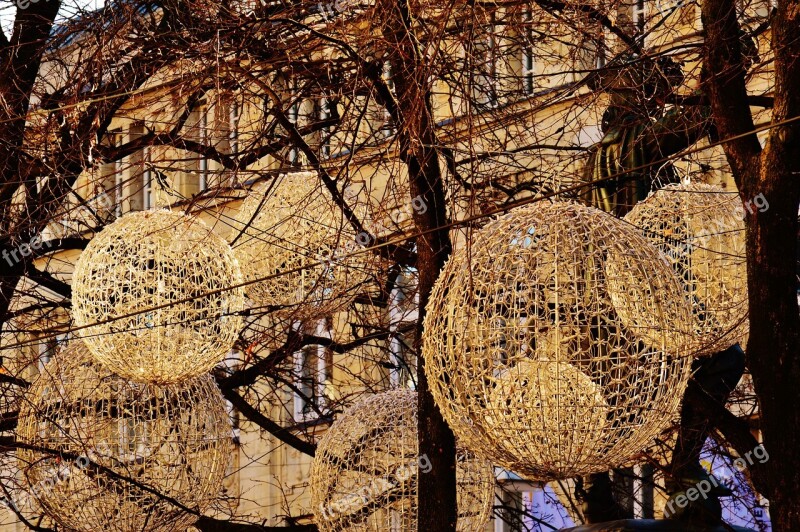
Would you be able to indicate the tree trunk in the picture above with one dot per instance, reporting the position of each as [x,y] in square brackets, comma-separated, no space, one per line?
[437,511]
[774,327]
[774,172]
[774,346]
[20,58]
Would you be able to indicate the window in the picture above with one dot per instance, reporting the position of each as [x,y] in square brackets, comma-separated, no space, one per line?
[49,347]
[388,128]
[293,114]
[233,127]
[138,186]
[403,358]
[311,370]
[232,362]
[528,506]
[148,196]
[484,67]
[119,182]
[403,314]
[528,65]
[202,134]
[197,166]
[323,114]
[638,13]
[513,506]
[600,57]
[643,491]
[293,105]
[113,178]
[223,133]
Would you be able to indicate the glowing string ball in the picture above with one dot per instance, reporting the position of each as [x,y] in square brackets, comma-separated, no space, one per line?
[525,352]
[153,290]
[701,230]
[364,475]
[299,246]
[174,441]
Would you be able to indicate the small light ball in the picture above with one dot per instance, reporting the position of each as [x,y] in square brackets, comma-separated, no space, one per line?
[299,247]
[700,228]
[525,352]
[153,291]
[535,388]
[118,446]
[364,474]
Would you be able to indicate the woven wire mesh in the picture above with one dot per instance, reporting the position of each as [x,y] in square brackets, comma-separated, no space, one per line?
[701,230]
[293,225]
[364,475]
[154,273]
[90,430]
[525,352]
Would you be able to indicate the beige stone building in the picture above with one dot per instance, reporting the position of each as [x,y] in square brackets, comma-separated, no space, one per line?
[516,115]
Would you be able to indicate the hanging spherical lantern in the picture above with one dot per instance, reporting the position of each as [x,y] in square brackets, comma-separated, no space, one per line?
[701,230]
[299,247]
[364,474]
[153,293]
[525,352]
[121,452]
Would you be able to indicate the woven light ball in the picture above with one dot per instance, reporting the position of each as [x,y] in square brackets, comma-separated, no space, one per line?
[364,475]
[117,447]
[701,230]
[299,247]
[525,352]
[153,291]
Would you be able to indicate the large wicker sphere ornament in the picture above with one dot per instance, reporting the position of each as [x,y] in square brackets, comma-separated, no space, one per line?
[299,248]
[525,352]
[120,449]
[701,230]
[153,291]
[364,475]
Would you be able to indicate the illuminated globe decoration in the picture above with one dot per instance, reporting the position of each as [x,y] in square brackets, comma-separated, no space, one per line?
[364,474]
[701,230]
[172,441]
[525,353]
[153,292]
[299,247]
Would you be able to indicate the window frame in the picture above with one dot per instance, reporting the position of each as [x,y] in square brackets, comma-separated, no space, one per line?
[527,59]
[202,138]
[302,405]
[403,313]
[323,113]
[489,58]
[148,192]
